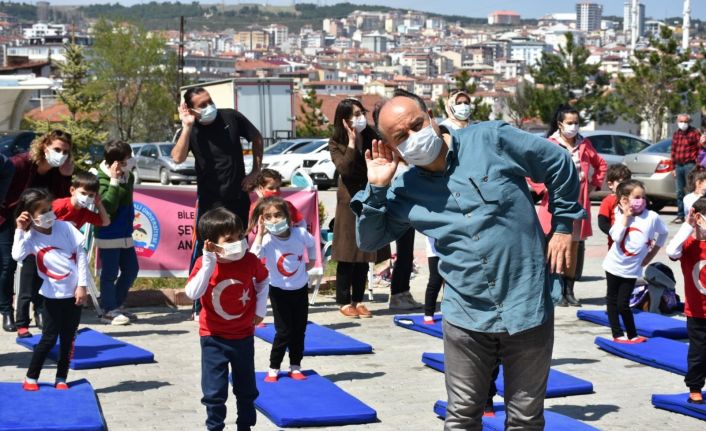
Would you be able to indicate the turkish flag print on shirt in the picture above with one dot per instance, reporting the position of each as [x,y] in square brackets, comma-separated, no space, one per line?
[693,266]
[286,258]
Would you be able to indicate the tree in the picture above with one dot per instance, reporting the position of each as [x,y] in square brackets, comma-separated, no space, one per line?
[82,123]
[312,122]
[659,88]
[567,77]
[135,76]
[521,105]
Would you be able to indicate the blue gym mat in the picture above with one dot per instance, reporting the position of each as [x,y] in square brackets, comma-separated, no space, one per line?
[415,322]
[559,384]
[321,341]
[94,349]
[48,409]
[553,421]
[677,403]
[315,401]
[647,324]
[662,353]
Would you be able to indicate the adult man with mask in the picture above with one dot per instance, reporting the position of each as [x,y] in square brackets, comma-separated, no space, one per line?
[468,192]
[685,150]
[213,137]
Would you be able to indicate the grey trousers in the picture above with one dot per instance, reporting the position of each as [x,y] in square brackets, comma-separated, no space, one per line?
[469,358]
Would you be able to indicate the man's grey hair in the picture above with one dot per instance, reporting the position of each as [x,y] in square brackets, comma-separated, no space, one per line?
[397,93]
[688,117]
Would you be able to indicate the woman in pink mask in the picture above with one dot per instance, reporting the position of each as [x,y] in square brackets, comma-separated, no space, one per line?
[564,131]
[637,234]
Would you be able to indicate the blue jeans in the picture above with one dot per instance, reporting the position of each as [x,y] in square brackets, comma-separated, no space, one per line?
[682,173]
[114,288]
[216,354]
[7,266]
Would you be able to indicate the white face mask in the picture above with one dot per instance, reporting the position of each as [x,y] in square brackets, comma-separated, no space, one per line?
[45,220]
[84,201]
[421,148]
[55,159]
[570,130]
[233,251]
[208,114]
[462,112]
[683,126]
[277,228]
[360,123]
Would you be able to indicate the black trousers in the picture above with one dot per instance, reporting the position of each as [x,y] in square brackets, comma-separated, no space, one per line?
[696,358]
[30,283]
[350,277]
[7,266]
[291,311]
[433,286]
[404,263]
[61,319]
[618,304]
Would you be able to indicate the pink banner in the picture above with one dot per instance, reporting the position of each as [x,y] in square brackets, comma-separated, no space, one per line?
[165,220]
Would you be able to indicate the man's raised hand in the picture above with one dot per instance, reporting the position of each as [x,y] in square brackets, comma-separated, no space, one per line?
[382,163]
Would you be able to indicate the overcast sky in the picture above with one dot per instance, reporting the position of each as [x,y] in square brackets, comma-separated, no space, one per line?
[527,8]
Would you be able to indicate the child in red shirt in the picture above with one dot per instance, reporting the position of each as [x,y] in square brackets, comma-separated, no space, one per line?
[269,182]
[78,208]
[689,247]
[606,214]
[233,285]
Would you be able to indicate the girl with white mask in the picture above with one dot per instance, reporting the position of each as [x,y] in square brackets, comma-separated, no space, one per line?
[564,131]
[458,111]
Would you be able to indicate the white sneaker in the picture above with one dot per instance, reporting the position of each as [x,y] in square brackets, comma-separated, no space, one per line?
[131,316]
[115,318]
[399,301]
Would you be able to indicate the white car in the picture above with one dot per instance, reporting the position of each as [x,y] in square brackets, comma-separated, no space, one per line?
[321,169]
[281,147]
[286,164]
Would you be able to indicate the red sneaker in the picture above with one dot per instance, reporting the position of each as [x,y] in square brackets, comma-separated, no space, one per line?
[297,375]
[261,325]
[30,386]
[622,340]
[23,333]
[428,320]
[61,386]
[638,340]
[489,411]
[270,379]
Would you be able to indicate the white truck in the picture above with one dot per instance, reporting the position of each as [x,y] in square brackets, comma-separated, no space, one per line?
[267,102]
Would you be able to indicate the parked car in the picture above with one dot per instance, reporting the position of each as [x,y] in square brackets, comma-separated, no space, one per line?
[136,148]
[653,166]
[287,163]
[154,162]
[281,147]
[14,142]
[322,170]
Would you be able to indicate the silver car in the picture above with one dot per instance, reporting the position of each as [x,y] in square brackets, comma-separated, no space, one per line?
[154,162]
[653,166]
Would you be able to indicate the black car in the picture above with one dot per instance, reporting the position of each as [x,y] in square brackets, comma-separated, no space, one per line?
[13,142]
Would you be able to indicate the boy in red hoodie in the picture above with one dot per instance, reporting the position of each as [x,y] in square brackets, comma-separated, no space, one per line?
[233,285]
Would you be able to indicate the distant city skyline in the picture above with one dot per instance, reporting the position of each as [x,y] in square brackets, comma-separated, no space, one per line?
[657,9]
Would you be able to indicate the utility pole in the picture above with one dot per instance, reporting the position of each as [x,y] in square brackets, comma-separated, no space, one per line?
[685,26]
[180,58]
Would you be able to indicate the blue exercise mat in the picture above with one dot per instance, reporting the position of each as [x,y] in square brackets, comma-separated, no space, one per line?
[321,341]
[677,403]
[553,421]
[315,401]
[76,409]
[415,322]
[558,385]
[662,353]
[94,349]
[647,324]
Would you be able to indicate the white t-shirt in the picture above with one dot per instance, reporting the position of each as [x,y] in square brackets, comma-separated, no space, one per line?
[689,202]
[631,243]
[286,258]
[61,258]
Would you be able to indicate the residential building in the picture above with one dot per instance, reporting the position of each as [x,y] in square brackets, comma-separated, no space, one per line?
[375,42]
[627,18]
[588,16]
[42,29]
[334,87]
[278,34]
[504,17]
[528,51]
[253,38]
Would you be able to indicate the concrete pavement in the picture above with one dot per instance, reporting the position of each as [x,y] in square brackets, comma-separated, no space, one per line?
[165,395]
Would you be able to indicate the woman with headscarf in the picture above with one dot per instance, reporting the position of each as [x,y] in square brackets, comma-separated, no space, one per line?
[458,111]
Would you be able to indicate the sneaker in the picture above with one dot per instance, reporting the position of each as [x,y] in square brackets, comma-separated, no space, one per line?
[401,301]
[27,386]
[363,311]
[272,376]
[131,316]
[678,220]
[23,333]
[622,340]
[349,311]
[411,301]
[638,340]
[428,320]
[115,318]
[297,375]
[695,398]
[61,386]
[489,411]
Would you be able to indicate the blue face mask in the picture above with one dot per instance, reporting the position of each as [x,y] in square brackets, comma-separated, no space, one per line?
[277,228]
[208,114]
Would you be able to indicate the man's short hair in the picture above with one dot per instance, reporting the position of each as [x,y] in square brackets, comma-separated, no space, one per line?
[116,151]
[688,117]
[86,181]
[618,172]
[398,93]
[217,223]
[190,93]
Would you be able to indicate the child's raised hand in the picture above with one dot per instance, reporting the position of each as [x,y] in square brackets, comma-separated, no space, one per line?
[24,220]
[210,246]
[80,295]
[116,170]
[627,211]
[691,218]
[257,320]
[261,226]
